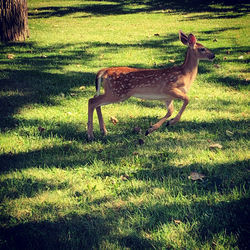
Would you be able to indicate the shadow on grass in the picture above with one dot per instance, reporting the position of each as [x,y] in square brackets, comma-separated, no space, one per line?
[75,232]
[119,144]
[28,187]
[91,231]
[29,80]
[93,228]
[226,9]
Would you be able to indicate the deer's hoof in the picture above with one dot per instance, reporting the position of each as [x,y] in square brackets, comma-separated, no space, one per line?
[169,122]
[149,131]
[104,132]
[90,138]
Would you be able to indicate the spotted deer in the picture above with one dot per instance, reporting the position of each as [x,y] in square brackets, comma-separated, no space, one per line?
[167,84]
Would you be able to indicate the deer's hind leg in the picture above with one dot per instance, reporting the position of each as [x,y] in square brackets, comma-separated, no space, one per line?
[96,103]
[101,121]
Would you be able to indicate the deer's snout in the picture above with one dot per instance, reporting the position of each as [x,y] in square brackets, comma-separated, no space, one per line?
[211,56]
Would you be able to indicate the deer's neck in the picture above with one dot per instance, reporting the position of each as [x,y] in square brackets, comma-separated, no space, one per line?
[190,65]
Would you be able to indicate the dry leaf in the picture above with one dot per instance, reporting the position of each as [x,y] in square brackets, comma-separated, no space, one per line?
[10,56]
[215,145]
[177,222]
[171,60]
[217,66]
[114,120]
[196,176]
[241,57]
[41,129]
[137,130]
[43,56]
[124,177]
[82,88]
[141,142]
[229,133]
[215,40]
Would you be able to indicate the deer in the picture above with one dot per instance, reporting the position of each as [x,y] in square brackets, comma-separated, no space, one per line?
[165,84]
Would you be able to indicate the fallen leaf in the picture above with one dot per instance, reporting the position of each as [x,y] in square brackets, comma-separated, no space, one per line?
[141,142]
[137,130]
[114,120]
[196,176]
[124,177]
[177,222]
[215,145]
[214,243]
[10,56]
[217,66]
[43,56]
[241,57]
[215,40]
[82,88]
[171,60]
[41,129]
[229,133]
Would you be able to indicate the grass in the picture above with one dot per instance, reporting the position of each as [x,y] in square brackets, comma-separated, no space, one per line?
[59,191]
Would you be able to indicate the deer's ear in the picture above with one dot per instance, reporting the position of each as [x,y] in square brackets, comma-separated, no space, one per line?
[191,40]
[183,37]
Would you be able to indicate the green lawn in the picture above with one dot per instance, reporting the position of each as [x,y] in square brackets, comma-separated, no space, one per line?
[60,191]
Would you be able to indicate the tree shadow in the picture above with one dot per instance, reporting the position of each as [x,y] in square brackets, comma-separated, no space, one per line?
[119,144]
[27,187]
[73,232]
[209,218]
[89,230]
[120,7]
[29,80]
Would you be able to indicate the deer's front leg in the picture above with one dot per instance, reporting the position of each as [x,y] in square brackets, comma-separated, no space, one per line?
[177,94]
[170,108]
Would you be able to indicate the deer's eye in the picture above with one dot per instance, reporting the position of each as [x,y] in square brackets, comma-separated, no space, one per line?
[202,49]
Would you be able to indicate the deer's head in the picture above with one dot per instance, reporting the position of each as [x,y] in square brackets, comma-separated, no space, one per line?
[201,52]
